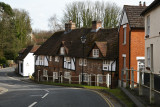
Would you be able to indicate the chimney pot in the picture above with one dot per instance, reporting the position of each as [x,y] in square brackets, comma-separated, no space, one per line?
[144,3]
[140,3]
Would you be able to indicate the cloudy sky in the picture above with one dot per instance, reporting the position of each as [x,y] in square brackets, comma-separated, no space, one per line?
[41,10]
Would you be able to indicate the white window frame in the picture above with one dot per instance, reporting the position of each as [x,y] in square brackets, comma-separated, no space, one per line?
[45,72]
[62,51]
[82,62]
[95,52]
[148,25]
[124,34]
[50,58]
[85,77]
[100,78]
[68,59]
[55,75]
[148,57]
[124,60]
[56,58]
[106,64]
[67,75]
[41,59]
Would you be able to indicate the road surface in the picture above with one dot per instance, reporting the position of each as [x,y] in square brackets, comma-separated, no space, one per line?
[25,94]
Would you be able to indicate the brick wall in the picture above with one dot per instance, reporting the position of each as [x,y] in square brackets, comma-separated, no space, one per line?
[123,49]
[137,48]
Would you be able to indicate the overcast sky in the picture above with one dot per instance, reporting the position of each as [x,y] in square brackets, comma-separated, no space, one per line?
[41,10]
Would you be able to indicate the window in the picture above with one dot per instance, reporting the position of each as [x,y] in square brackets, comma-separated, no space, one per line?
[106,65]
[62,51]
[85,77]
[41,58]
[45,72]
[124,34]
[124,60]
[68,59]
[149,57]
[148,25]
[100,78]
[67,75]
[55,75]
[85,62]
[95,52]
[50,58]
[82,62]
[56,59]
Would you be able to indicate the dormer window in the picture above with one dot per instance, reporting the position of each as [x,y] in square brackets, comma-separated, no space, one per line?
[62,51]
[56,59]
[95,52]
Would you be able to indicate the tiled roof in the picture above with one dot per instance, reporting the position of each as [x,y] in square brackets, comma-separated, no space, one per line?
[133,15]
[102,47]
[25,52]
[21,51]
[34,48]
[152,6]
[73,44]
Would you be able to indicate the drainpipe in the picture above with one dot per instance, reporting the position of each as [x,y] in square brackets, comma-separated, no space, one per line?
[129,53]
[111,72]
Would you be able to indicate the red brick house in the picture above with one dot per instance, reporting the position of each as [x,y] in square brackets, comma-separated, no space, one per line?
[62,54]
[131,39]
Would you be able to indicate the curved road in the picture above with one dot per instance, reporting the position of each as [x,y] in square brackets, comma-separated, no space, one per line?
[24,94]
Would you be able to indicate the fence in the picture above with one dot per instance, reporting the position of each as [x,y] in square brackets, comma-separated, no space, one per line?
[129,82]
[89,79]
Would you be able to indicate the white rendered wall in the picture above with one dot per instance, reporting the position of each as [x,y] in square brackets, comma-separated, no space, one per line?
[154,22]
[154,38]
[28,65]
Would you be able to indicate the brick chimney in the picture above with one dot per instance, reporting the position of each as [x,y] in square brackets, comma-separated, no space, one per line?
[69,26]
[144,3]
[96,25]
[140,3]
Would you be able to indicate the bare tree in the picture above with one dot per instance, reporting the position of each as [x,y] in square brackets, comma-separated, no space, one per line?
[83,13]
[54,24]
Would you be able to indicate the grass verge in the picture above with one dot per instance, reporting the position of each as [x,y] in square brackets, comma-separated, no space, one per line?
[121,96]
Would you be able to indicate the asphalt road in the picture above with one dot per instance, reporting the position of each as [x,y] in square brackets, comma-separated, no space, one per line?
[24,94]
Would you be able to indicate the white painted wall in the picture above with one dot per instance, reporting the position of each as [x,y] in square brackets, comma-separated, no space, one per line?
[124,18]
[28,65]
[156,52]
[154,38]
[154,22]
[109,66]
[70,65]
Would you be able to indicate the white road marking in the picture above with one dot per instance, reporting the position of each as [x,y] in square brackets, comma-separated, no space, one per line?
[32,104]
[14,78]
[45,95]
[47,91]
